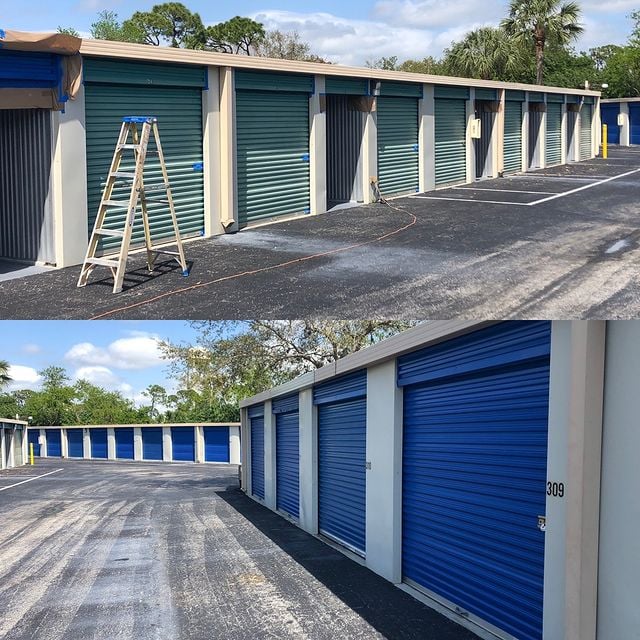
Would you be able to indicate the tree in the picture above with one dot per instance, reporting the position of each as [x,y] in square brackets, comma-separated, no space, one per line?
[285,45]
[541,22]
[5,378]
[170,22]
[622,73]
[69,31]
[109,27]
[238,35]
[54,404]
[428,65]
[158,396]
[634,40]
[385,63]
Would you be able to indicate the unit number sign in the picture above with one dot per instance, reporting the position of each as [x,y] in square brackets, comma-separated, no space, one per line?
[555,489]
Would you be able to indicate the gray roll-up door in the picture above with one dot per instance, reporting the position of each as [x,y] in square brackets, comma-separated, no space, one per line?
[26,219]
[535,127]
[398,157]
[272,130]
[586,113]
[173,94]
[553,139]
[512,136]
[571,137]
[451,141]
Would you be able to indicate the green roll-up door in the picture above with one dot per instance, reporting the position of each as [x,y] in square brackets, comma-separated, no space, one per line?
[273,154]
[512,137]
[398,145]
[553,137]
[451,141]
[585,131]
[111,92]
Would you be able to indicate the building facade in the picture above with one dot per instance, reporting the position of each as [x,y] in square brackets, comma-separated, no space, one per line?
[486,468]
[622,117]
[249,140]
[202,442]
[13,443]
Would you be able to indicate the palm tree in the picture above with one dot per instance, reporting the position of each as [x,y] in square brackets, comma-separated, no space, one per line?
[5,378]
[539,21]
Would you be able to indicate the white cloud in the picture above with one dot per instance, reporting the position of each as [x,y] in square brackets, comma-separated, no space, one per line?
[23,377]
[135,352]
[31,348]
[98,375]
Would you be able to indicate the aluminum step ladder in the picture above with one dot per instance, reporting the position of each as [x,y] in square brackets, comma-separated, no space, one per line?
[140,139]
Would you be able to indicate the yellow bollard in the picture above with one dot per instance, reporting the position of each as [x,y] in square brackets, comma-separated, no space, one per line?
[605,148]
[31,453]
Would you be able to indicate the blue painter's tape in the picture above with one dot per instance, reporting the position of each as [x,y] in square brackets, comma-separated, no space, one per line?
[198,166]
[306,157]
[307,211]
[416,147]
[139,119]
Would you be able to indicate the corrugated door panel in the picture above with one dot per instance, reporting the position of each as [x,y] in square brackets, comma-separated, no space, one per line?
[287,463]
[257,457]
[609,113]
[34,439]
[634,123]
[553,139]
[124,443]
[179,113]
[474,473]
[216,444]
[451,145]
[585,131]
[98,443]
[512,137]
[26,221]
[54,443]
[183,444]
[341,472]
[398,145]
[75,441]
[152,443]
[272,130]
[353,385]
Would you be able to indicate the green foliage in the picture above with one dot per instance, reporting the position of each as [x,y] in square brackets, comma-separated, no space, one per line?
[622,73]
[566,68]
[283,45]
[428,65]
[109,27]
[168,23]
[387,64]
[238,35]
[5,378]
[69,31]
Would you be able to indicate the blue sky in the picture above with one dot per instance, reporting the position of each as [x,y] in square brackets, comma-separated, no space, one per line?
[343,32]
[118,355]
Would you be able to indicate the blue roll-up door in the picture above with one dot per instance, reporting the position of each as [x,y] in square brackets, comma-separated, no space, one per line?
[98,443]
[216,444]
[152,443]
[634,123]
[257,456]
[609,114]
[183,444]
[287,455]
[474,472]
[342,434]
[54,443]
[75,442]
[124,443]
[33,436]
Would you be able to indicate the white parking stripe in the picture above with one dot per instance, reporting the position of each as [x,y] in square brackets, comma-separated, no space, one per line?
[537,193]
[29,480]
[518,204]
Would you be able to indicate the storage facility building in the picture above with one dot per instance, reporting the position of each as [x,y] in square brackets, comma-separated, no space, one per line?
[249,139]
[202,442]
[622,117]
[489,469]
[13,443]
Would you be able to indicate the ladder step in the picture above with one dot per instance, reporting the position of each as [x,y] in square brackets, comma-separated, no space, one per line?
[130,146]
[103,262]
[156,187]
[109,233]
[116,203]
[122,174]
[157,201]
[166,253]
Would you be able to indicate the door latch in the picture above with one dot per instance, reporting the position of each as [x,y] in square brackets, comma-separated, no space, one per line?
[542,523]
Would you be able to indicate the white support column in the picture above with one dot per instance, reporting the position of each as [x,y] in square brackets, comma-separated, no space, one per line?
[86,444]
[498,136]
[384,472]
[525,132]
[596,128]
[43,443]
[427,139]
[234,445]
[245,460]
[111,443]
[137,443]
[269,456]
[64,443]
[199,436]
[542,136]
[625,128]
[3,448]
[369,153]
[471,149]
[69,183]
[308,426]
[211,153]
[573,469]
[167,448]
[228,160]
[318,148]
[563,133]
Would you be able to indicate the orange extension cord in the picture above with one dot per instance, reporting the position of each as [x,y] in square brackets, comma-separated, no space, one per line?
[280,265]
